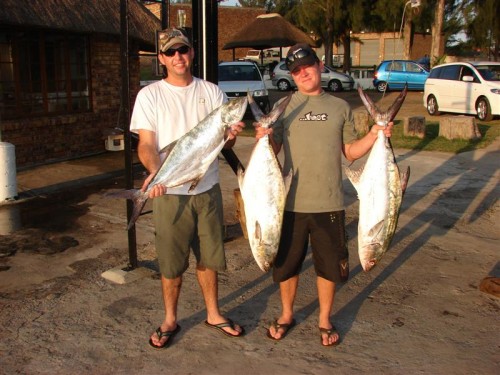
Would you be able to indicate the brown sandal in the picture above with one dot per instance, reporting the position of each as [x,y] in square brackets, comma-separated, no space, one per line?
[329,332]
[284,326]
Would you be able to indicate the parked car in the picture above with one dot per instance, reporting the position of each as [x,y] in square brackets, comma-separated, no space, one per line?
[395,74]
[236,78]
[330,79]
[337,60]
[464,87]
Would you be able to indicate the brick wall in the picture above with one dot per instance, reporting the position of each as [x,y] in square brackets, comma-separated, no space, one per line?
[230,21]
[40,140]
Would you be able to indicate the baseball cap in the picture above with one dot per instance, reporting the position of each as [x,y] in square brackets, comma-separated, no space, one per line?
[300,54]
[170,37]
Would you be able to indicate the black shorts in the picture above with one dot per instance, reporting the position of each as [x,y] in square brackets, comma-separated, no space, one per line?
[326,232]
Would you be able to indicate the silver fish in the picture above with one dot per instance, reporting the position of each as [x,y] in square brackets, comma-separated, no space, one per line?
[264,189]
[189,157]
[380,187]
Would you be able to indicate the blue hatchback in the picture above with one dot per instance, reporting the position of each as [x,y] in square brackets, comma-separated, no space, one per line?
[394,74]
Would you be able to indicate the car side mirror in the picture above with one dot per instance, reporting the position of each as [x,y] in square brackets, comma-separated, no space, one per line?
[468,78]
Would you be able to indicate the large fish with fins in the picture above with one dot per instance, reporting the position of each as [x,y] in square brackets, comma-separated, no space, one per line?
[188,158]
[264,189]
[380,187]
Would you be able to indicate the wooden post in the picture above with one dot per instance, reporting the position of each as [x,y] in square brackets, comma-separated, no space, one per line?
[361,122]
[459,127]
[414,126]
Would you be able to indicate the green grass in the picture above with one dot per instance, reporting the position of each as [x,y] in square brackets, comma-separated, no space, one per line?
[431,142]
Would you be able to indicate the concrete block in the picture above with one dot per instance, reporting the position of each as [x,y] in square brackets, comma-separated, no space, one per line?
[121,274]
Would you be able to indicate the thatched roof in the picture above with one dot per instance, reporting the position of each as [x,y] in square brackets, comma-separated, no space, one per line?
[87,16]
[266,31]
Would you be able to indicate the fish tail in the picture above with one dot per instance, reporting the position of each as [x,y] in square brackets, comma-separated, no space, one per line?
[127,194]
[140,198]
[404,180]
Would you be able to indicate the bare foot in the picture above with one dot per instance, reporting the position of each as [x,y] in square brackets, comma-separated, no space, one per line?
[277,330]
[329,336]
[228,327]
[161,339]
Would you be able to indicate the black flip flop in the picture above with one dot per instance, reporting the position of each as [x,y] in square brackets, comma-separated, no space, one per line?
[286,327]
[220,327]
[169,334]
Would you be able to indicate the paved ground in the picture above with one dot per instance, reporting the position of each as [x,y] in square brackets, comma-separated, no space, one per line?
[419,311]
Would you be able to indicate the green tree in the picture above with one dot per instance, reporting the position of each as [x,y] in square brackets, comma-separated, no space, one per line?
[483,27]
[331,21]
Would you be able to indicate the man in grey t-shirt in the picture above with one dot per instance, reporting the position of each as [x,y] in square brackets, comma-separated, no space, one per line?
[315,130]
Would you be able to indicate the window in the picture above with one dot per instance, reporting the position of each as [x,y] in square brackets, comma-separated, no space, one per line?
[395,66]
[239,73]
[413,68]
[43,73]
[435,73]
[489,72]
[466,71]
[451,72]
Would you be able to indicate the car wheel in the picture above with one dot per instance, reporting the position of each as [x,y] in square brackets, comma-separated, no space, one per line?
[283,85]
[382,86]
[334,85]
[432,106]
[483,110]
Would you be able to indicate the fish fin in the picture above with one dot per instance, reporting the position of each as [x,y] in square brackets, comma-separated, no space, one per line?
[139,200]
[287,180]
[258,232]
[127,194]
[394,108]
[278,110]
[137,196]
[354,176]
[404,180]
[256,111]
[194,183]
[267,121]
[372,109]
[377,228]
[240,174]
[168,148]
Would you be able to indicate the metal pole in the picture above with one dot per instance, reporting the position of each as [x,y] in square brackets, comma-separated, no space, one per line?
[197,37]
[205,28]
[164,14]
[125,120]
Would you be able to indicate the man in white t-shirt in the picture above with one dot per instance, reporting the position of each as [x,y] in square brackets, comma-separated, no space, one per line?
[163,112]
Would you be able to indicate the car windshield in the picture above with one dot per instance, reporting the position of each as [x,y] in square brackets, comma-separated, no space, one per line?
[239,73]
[489,72]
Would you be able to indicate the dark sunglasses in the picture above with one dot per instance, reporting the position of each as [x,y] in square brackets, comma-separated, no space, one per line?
[300,54]
[171,51]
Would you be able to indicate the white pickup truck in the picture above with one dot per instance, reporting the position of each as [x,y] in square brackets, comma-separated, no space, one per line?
[264,57]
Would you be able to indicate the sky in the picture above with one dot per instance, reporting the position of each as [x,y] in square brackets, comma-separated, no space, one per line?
[229,3]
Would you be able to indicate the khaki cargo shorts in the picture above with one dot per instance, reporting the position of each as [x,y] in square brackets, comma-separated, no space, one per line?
[185,222]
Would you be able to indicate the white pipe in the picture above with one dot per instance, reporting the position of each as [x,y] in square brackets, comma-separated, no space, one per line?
[8,183]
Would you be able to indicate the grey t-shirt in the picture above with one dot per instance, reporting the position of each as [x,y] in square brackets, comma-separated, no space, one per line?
[312,130]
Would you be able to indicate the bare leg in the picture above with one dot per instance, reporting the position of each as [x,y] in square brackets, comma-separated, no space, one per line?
[207,279]
[326,296]
[171,289]
[288,290]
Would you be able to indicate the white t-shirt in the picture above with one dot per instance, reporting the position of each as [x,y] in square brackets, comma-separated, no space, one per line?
[171,111]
